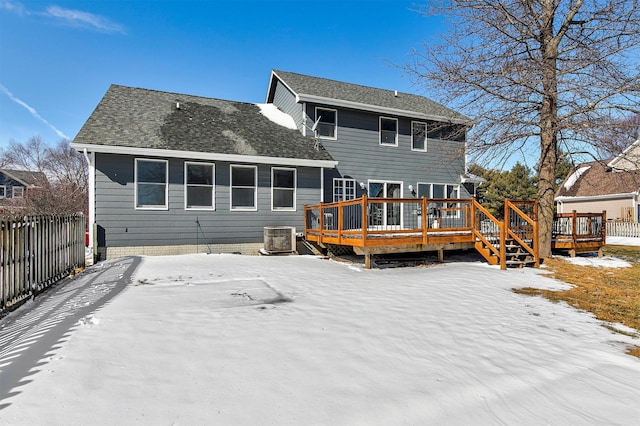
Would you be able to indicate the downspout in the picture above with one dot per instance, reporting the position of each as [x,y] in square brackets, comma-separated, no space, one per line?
[90,157]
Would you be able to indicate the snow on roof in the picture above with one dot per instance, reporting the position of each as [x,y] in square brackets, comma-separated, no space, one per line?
[571,180]
[274,114]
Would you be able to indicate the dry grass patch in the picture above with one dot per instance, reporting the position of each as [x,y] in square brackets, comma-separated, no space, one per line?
[611,294]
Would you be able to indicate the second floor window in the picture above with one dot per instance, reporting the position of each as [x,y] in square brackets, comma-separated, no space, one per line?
[418,136]
[388,131]
[3,191]
[327,123]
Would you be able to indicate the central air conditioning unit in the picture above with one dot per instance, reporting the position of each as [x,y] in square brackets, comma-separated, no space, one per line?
[279,239]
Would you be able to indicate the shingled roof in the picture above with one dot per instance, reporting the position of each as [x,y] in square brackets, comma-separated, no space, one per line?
[338,93]
[27,178]
[597,179]
[134,119]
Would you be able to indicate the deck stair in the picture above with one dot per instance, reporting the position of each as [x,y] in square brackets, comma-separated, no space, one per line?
[510,243]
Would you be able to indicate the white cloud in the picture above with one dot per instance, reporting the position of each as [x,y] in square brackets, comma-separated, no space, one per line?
[72,17]
[31,110]
[14,7]
[85,19]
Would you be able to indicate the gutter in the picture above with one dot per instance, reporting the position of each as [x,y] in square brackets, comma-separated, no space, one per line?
[232,158]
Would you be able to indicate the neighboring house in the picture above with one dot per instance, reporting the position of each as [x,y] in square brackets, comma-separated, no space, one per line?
[613,187]
[16,183]
[173,173]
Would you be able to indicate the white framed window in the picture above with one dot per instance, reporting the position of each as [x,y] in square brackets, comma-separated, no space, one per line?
[151,184]
[244,188]
[418,136]
[327,123]
[17,191]
[441,190]
[344,189]
[283,189]
[3,191]
[388,131]
[199,186]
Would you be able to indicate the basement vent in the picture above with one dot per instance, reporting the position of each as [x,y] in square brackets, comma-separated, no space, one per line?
[279,239]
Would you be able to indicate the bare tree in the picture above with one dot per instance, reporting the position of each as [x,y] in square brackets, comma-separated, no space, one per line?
[537,76]
[63,185]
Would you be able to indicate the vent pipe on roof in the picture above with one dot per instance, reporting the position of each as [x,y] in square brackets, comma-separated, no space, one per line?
[177,105]
[395,93]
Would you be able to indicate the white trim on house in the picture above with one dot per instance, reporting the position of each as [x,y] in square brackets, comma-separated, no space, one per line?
[623,154]
[596,197]
[205,156]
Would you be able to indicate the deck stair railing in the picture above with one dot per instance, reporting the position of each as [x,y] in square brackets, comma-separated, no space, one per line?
[488,232]
[521,236]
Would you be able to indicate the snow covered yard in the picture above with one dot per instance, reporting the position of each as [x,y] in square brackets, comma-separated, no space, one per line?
[191,341]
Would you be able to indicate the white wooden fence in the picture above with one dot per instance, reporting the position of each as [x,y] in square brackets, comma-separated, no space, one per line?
[623,229]
[37,251]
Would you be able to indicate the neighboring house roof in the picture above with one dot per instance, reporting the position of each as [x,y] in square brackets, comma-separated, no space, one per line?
[629,159]
[348,95]
[25,177]
[596,179]
[148,122]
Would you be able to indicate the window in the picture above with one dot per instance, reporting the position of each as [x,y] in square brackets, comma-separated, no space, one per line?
[418,136]
[438,190]
[244,187]
[327,123]
[17,191]
[344,189]
[388,131]
[199,193]
[3,191]
[283,189]
[151,184]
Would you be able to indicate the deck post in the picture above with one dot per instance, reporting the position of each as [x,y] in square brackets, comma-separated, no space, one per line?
[503,235]
[340,217]
[367,260]
[441,255]
[574,233]
[321,221]
[365,219]
[604,227]
[425,220]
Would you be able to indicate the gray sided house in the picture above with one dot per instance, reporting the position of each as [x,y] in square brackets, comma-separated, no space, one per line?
[172,173]
[387,143]
[16,183]
[598,186]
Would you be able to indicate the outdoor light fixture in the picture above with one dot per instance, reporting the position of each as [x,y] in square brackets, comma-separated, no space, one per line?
[362,185]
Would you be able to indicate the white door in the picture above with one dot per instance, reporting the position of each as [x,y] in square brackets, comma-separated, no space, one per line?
[385,215]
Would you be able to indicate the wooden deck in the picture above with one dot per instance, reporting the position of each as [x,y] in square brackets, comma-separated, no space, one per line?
[393,225]
[580,232]
[396,225]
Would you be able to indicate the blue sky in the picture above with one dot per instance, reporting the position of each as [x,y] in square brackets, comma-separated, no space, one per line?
[57,58]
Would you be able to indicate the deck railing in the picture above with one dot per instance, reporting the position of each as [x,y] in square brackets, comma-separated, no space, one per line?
[579,231]
[522,225]
[405,220]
